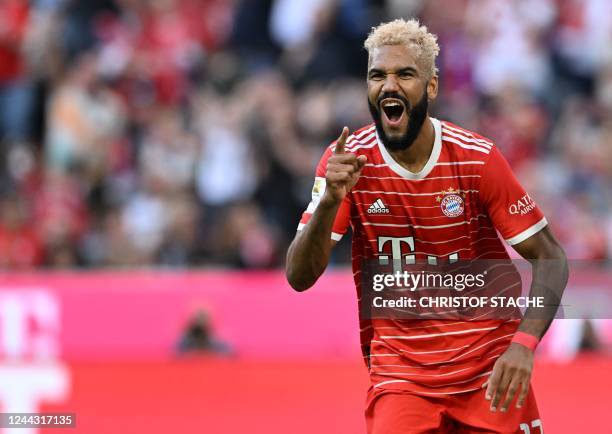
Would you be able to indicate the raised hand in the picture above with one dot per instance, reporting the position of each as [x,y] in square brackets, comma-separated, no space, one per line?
[343,171]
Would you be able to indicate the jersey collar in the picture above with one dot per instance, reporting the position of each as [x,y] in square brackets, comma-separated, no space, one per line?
[431,162]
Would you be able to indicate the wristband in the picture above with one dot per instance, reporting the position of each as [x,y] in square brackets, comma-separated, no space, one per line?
[526,340]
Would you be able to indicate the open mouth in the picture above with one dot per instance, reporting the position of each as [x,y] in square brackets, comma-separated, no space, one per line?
[394,110]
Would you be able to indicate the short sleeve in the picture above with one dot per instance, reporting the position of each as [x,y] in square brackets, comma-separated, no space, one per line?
[513,212]
[344,212]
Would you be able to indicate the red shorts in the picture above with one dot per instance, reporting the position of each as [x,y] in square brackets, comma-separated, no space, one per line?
[396,412]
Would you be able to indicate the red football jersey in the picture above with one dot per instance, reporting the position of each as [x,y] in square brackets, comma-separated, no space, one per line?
[451,209]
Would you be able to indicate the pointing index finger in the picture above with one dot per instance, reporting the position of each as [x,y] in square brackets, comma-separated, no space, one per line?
[339,149]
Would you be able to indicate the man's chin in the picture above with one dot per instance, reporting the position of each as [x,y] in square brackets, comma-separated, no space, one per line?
[395,134]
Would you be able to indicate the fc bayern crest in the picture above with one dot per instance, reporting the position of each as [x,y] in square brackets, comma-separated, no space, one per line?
[451,203]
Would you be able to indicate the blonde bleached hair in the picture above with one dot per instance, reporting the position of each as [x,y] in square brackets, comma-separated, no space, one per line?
[410,33]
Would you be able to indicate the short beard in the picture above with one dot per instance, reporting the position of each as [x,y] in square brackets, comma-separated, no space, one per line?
[416,118]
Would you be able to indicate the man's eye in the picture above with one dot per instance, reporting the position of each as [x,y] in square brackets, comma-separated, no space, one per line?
[405,75]
[376,77]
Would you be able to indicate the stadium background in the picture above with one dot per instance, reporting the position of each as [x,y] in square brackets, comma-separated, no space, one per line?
[157,154]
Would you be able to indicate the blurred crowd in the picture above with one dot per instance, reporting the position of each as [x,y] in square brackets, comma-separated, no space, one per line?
[186,132]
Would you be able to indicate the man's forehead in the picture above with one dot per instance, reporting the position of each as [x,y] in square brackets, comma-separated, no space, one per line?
[392,57]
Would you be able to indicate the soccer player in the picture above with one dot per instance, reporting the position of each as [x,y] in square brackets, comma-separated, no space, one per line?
[410,185]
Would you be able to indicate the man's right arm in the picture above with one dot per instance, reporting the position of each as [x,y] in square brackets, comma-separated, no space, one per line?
[308,254]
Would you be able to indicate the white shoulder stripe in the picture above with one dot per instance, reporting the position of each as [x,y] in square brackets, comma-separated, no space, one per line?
[364,132]
[469,139]
[464,146]
[355,144]
[364,146]
[467,135]
[352,138]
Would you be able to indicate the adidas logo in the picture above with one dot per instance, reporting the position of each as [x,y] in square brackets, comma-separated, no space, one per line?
[378,207]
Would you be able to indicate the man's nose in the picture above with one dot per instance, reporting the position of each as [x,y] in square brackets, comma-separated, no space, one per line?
[391,84]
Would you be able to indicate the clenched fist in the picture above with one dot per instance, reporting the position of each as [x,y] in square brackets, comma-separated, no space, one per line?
[343,171]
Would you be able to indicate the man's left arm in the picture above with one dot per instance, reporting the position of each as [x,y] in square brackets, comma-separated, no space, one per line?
[512,371]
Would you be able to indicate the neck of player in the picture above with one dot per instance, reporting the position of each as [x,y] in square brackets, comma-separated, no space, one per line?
[416,156]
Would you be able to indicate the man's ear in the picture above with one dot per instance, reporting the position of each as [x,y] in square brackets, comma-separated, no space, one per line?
[432,88]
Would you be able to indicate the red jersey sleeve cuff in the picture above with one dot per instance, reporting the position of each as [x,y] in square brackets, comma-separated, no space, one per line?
[527,232]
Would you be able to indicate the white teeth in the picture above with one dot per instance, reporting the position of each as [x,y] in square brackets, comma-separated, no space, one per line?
[391,104]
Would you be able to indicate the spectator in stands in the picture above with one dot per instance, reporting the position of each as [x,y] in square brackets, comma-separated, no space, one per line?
[16,95]
[198,337]
[20,244]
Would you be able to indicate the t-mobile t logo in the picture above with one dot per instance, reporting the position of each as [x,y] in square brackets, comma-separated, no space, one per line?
[396,252]
[401,258]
